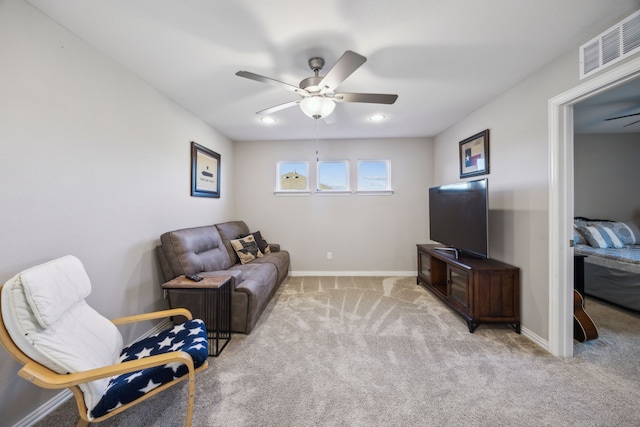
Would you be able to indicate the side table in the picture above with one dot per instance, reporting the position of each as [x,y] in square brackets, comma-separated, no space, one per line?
[578,273]
[209,300]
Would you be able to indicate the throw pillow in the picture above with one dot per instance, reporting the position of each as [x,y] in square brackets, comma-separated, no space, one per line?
[602,237]
[262,244]
[246,248]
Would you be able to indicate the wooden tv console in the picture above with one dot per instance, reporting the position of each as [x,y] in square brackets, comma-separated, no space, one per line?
[480,290]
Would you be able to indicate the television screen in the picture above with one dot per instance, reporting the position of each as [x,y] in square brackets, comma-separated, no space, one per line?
[459,216]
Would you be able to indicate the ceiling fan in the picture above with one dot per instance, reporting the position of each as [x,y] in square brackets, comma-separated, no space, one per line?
[318,96]
[622,117]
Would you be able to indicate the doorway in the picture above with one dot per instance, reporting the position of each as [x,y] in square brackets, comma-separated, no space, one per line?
[561,209]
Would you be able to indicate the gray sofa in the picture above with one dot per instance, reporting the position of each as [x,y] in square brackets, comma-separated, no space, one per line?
[207,251]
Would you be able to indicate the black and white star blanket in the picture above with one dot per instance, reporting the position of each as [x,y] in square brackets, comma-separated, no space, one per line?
[190,337]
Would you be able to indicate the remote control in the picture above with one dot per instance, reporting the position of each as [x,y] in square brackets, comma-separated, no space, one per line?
[193,277]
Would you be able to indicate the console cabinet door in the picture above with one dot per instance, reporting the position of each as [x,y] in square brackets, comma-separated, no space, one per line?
[497,297]
[424,267]
[458,281]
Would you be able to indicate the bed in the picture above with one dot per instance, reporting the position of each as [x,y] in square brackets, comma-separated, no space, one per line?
[612,263]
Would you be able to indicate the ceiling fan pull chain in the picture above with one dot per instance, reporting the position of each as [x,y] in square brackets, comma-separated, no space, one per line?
[317,145]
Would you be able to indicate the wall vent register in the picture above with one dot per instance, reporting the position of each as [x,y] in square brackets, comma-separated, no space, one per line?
[618,42]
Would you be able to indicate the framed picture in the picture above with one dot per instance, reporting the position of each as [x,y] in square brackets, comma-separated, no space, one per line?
[474,155]
[205,172]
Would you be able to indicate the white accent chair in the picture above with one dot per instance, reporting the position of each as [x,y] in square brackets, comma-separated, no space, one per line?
[47,326]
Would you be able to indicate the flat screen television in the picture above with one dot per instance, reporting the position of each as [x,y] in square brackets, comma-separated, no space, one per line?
[459,217]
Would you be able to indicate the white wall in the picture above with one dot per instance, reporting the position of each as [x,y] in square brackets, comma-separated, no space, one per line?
[365,233]
[606,175]
[93,163]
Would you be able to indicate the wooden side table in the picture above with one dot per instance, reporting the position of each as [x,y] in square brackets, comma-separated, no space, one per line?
[209,300]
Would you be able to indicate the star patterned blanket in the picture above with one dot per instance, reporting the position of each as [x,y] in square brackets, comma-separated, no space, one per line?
[190,337]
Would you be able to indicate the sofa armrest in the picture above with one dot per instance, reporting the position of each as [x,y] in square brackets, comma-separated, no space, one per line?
[167,272]
[274,247]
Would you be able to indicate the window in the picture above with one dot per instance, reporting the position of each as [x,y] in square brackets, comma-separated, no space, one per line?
[374,176]
[293,176]
[333,175]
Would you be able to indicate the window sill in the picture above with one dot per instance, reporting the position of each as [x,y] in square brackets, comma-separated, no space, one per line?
[334,193]
[375,193]
[291,193]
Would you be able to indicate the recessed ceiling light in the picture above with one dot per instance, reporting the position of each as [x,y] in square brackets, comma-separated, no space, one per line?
[377,117]
[268,120]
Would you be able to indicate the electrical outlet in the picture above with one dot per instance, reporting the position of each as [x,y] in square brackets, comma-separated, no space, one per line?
[329,255]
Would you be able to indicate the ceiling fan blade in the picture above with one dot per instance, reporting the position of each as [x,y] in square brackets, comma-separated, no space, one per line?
[273,82]
[343,68]
[278,107]
[622,117]
[373,98]
[633,123]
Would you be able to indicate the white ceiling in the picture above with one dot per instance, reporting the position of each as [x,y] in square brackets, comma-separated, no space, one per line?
[444,58]
[589,116]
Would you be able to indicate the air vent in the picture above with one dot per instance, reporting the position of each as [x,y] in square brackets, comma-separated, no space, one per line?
[618,42]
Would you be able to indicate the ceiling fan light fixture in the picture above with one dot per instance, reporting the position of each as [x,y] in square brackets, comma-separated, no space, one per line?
[317,107]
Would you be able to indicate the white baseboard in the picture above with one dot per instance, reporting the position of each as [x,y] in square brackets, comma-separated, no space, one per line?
[51,405]
[354,273]
[535,338]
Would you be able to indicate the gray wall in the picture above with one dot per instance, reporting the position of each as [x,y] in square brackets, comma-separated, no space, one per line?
[366,233]
[518,182]
[94,163]
[606,176]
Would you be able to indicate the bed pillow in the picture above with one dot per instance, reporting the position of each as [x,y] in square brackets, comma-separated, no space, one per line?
[578,238]
[627,232]
[601,237]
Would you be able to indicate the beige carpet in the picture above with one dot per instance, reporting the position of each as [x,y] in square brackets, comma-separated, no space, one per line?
[361,351]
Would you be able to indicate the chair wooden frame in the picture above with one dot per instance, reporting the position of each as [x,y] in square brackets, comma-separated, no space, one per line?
[44,377]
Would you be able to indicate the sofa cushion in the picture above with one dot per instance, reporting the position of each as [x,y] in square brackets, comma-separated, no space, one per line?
[230,231]
[194,250]
[280,260]
[259,284]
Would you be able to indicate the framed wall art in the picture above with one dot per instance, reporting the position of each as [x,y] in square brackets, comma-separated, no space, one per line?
[474,155]
[205,172]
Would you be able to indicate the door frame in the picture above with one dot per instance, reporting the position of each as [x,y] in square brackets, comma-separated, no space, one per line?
[561,205]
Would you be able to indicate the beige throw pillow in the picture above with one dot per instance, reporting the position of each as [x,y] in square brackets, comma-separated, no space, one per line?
[246,248]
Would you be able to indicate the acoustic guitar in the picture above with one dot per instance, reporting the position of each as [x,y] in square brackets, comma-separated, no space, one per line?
[583,327]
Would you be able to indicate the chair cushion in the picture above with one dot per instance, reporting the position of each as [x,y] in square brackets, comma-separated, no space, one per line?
[54,287]
[75,339]
[190,336]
